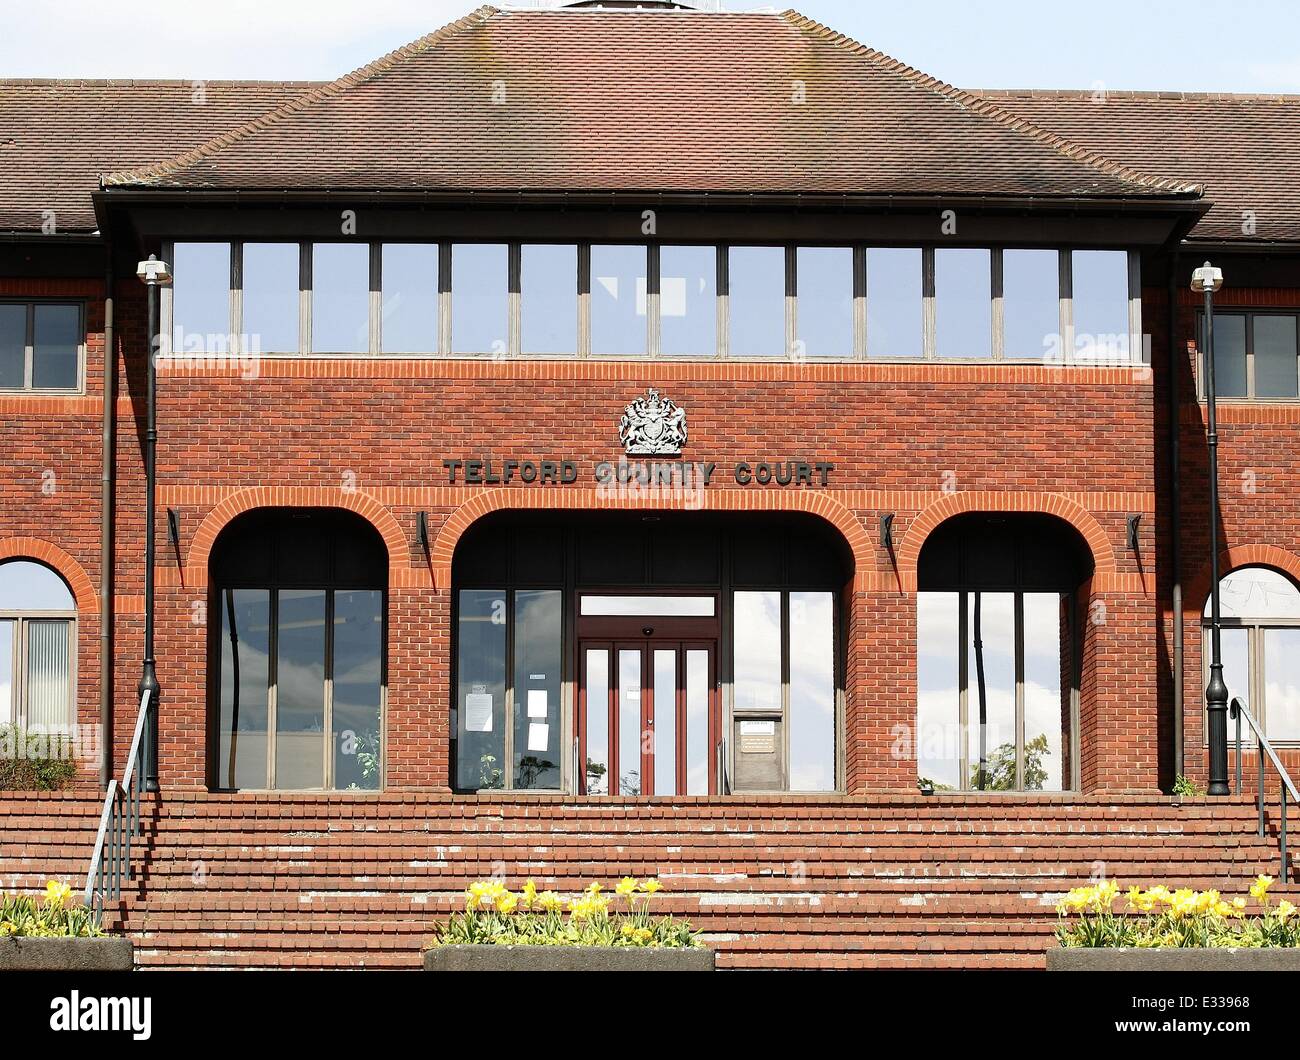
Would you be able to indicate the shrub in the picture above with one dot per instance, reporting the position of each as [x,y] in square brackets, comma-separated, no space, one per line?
[49,917]
[1184,786]
[35,761]
[497,916]
[1179,918]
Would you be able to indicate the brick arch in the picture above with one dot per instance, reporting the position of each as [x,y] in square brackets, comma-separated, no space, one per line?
[83,590]
[1278,559]
[364,505]
[716,500]
[909,552]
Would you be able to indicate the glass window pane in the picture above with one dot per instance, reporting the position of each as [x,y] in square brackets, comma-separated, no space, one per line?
[1257,593]
[8,633]
[270,297]
[56,347]
[1282,684]
[1236,674]
[894,302]
[618,300]
[245,684]
[1031,306]
[1275,356]
[665,721]
[13,345]
[991,696]
[938,652]
[963,303]
[824,316]
[1047,700]
[656,606]
[539,634]
[812,692]
[358,681]
[756,301]
[29,586]
[1229,355]
[340,298]
[698,744]
[481,689]
[757,649]
[49,673]
[597,722]
[300,690]
[1100,299]
[479,278]
[201,299]
[548,306]
[409,299]
[688,310]
[629,721]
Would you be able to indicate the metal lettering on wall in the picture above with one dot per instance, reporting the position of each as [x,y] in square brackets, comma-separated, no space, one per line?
[652,425]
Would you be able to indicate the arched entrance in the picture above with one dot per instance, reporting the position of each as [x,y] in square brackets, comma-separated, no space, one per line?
[649,653]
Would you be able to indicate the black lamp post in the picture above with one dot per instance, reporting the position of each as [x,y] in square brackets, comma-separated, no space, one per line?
[1207,279]
[154,275]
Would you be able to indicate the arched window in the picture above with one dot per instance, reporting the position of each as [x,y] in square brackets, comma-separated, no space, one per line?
[1260,611]
[298,651]
[997,653]
[38,639]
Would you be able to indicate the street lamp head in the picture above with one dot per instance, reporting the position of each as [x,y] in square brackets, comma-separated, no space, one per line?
[154,273]
[1207,278]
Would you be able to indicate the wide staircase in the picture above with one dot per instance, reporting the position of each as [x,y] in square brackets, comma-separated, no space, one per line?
[319,881]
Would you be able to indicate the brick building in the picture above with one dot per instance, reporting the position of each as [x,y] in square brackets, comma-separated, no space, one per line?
[595,441]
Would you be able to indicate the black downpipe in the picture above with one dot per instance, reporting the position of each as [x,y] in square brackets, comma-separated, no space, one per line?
[978,639]
[107,463]
[149,676]
[1175,511]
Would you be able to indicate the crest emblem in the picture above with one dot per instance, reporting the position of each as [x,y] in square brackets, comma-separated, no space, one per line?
[653,426]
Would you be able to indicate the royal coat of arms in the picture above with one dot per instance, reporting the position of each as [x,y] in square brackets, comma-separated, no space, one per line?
[653,426]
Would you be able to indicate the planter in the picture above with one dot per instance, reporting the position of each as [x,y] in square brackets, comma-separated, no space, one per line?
[565,959]
[1273,959]
[107,954]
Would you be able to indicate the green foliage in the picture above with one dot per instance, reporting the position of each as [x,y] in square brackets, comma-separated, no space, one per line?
[1000,768]
[1183,786]
[34,761]
[48,917]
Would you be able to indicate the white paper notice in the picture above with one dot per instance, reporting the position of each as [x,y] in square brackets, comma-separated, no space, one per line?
[537,702]
[539,736]
[478,712]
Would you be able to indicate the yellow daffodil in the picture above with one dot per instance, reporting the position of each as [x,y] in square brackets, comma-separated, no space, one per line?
[57,894]
[626,887]
[1259,889]
[550,901]
[594,888]
[530,894]
[507,902]
[651,886]
[1285,910]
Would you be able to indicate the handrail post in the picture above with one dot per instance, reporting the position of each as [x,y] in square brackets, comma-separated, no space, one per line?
[1236,714]
[1286,876]
[1259,793]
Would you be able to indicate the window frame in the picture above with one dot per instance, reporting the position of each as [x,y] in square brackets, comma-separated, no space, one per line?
[22,617]
[441,344]
[1249,314]
[29,346]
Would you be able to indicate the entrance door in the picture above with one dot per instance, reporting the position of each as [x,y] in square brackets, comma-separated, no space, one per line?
[647,716]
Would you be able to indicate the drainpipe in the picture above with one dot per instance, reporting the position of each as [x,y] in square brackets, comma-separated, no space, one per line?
[1175,511]
[106,522]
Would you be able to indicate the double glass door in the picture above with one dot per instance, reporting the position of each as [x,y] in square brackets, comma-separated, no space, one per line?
[648,716]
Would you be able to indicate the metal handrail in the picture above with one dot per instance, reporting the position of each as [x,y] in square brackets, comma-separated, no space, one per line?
[119,821]
[1238,709]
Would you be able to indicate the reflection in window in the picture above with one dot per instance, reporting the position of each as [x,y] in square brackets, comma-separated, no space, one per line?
[37,642]
[688,317]
[1229,355]
[358,680]
[1031,303]
[537,686]
[664,705]
[340,302]
[481,689]
[1255,355]
[270,297]
[13,345]
[812,692]
[824,316]
[596,722]
[757,651]
[201,298]
[56,346]
[479,276]
[894,302]
[549,299]
[618,300]
[756,302]
[1260,610]
[938,684]
[963,305]
[629,721]
[409,299]
[1275,355]
[1099,289]
[245,688]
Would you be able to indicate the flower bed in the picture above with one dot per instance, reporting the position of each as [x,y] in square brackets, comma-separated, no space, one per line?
[49,934]
[541,930]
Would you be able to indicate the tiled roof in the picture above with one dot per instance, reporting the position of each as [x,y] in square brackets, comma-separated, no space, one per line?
[666,101]
[57,137]
[1245,149]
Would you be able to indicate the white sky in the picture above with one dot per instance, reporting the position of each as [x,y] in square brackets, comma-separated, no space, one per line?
[1244,46]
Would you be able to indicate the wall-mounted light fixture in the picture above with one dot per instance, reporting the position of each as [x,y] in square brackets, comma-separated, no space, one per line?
[174,529]
[887,531]
[422,530]
[1132,524]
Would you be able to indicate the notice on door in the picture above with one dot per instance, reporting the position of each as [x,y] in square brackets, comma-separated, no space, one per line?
[539,736]
[478,712]
[537,702]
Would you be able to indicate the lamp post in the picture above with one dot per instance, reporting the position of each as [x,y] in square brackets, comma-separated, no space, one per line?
[154,274]
[1206,280]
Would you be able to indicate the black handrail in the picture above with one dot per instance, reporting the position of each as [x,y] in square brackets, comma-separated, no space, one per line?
[1238,710]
